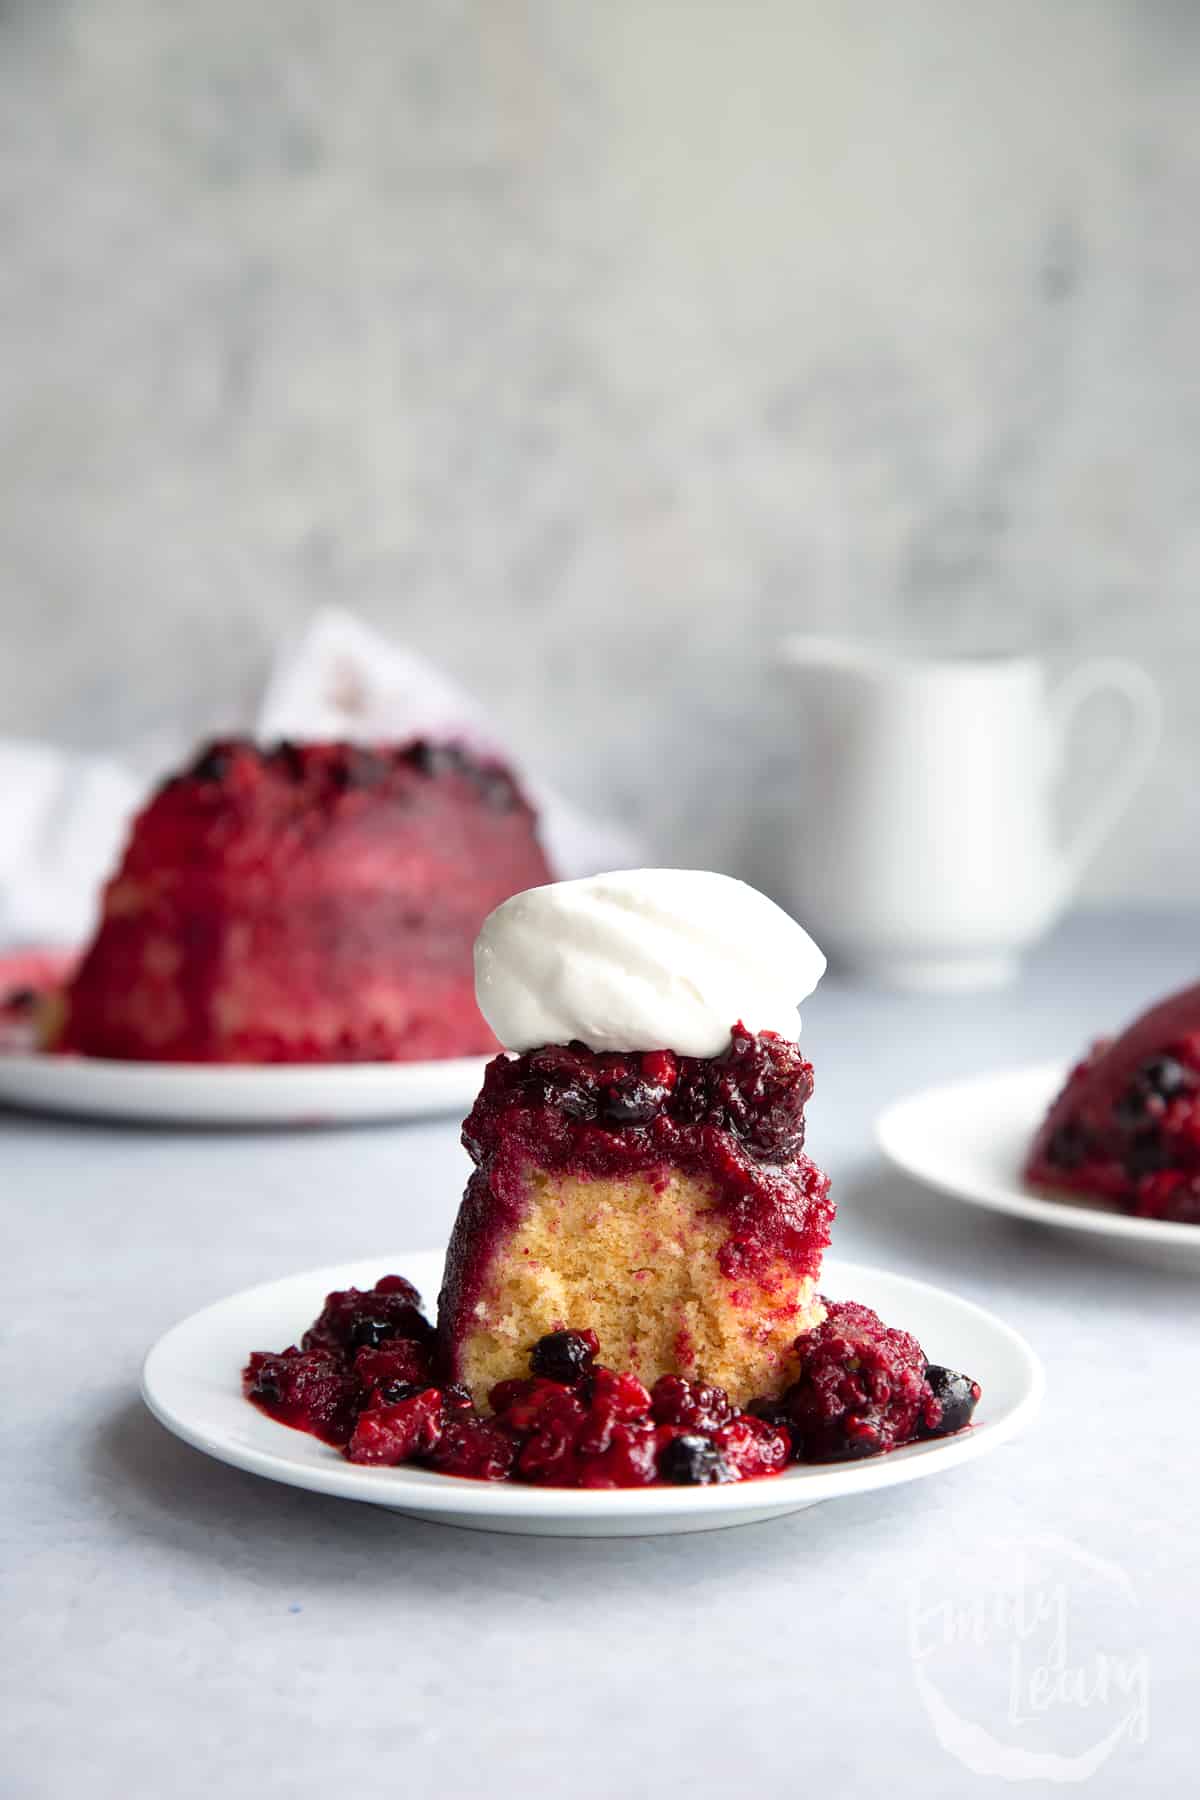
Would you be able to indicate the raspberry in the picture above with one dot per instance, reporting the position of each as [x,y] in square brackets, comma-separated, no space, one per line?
[311,1390]
[676,1401]
[397,1434]
[399,1361]
[861,1387]
[750,1447]
[626,1460]
[469,1446]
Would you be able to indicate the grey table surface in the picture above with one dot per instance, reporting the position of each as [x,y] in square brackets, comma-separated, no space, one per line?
[170,1625]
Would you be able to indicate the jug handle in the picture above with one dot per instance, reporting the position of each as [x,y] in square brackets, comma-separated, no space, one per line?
[1124,681]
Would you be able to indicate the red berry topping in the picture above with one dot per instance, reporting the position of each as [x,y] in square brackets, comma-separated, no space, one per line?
[676,1401]
[364,1319]
[399,1433]
[312,1390]
[863,1388]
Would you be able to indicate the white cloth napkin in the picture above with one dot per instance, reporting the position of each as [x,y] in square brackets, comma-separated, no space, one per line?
[64,816]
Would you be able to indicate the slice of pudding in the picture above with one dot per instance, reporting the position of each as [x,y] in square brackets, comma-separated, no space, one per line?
[658,1196]
[1126,1126]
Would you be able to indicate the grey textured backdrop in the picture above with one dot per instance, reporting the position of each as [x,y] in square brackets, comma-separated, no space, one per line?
[590,344]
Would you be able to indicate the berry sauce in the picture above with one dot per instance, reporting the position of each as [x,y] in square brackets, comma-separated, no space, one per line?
[1126,1127]
[736,1119]
[362,1378]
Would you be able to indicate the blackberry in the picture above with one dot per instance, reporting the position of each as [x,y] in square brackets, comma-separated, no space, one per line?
[692,1461]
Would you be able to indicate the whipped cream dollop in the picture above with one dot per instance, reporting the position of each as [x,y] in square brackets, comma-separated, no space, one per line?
[643,959]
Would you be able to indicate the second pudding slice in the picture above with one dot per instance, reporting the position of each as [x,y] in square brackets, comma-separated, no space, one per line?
[658,1197]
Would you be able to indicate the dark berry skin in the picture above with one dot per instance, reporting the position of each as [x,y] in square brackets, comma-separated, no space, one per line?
[438,759]
[956,1394]
[860,1438]
[212,764]
[392,1392]
[368,1333]
[692,1461]
[1164,1076]
[565,1356]
[1156,1082]
[288,757]
[757,1090]
[631,1101]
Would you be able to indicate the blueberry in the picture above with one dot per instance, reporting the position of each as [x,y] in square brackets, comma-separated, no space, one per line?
[1163,1076]
[957,1396]
[560,1078]
[692,1461]
[631,1101]
[212,764]
[861,1438]
[392,1392]
[438,759]
[368,1333]
[565,1356]
[772,1409]
[568,1098]
[287,755]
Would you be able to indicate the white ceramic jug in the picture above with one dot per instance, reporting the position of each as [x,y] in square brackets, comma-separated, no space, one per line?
[926,852]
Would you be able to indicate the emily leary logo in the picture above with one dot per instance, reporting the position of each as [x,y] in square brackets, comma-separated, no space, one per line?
[1029,1669]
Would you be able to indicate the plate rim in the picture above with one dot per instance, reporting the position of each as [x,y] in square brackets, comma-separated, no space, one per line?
[197,1093]
[1019,1202]
[426,1491]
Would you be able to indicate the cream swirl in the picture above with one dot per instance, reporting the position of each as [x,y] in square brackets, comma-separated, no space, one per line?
[642,959]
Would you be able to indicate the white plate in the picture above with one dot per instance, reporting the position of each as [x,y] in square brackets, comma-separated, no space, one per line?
[238,1094]
[191,1382]
[970,1139]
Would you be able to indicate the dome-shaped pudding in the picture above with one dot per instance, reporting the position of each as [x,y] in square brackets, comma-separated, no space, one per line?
[1126,1126]
[308,903]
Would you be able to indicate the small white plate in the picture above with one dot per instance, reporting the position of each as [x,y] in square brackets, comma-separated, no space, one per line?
[237,1093]
[969,1140]
[191,1382]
